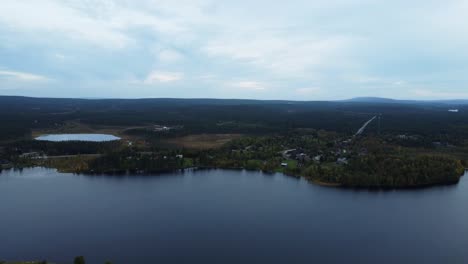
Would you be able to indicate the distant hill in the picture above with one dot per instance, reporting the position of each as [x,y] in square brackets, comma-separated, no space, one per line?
[20,101]
[395,101]
[372,100]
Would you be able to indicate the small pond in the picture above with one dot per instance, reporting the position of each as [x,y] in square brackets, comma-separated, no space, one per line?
[78,137]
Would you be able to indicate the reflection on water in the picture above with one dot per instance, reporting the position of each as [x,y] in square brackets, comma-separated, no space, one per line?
[224,216]
[78,137]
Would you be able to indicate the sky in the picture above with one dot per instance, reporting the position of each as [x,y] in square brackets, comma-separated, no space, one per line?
[252,49]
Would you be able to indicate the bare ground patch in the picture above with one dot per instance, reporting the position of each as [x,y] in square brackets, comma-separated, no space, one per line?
[203,141]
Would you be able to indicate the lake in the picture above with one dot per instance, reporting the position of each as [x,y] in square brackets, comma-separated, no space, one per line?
[78,137]
[224,216]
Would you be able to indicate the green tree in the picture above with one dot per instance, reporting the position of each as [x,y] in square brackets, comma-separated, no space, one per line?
[79,260]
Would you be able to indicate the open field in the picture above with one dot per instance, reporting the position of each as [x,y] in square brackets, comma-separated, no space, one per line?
[202,141]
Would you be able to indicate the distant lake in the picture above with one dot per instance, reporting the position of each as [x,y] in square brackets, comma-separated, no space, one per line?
[224,216]
[78,137]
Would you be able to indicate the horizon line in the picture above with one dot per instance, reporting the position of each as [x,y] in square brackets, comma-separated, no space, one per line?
[355,99]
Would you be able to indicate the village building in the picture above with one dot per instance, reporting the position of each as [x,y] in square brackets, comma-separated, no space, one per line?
[342,161]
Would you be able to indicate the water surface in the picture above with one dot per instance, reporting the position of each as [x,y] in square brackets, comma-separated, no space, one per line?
[78,137]
[222,216]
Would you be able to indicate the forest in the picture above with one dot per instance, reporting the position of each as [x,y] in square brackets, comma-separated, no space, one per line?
[411,144]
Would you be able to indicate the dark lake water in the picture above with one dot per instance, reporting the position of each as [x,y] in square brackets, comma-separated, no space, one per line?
[221,216]
[78,137]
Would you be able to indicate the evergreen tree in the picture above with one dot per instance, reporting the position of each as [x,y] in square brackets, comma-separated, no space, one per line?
[79,260]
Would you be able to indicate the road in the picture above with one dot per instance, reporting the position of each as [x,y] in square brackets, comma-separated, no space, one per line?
[363,128]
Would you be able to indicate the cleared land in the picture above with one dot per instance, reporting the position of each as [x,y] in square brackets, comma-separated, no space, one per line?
[202,141]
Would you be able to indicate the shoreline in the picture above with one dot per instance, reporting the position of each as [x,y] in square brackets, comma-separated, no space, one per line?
[308,179]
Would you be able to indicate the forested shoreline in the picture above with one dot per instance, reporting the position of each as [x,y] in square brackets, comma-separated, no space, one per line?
[365,163]
[408,145]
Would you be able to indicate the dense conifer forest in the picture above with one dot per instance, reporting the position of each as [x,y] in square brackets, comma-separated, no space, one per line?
[408,144]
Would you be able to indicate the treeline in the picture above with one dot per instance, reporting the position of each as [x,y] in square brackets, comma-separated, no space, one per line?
[77,260]
[19,116]
[61,148]
[131,161]
[390,172]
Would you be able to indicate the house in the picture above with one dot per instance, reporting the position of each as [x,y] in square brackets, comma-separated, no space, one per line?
[32,155]
[342,161]
[5,164]
[302,157]
[402,136]
[159,128]
[288,153]
[318,158]
[363,152]
[248,148]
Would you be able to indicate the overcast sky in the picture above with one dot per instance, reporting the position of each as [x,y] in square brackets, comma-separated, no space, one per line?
[262,49]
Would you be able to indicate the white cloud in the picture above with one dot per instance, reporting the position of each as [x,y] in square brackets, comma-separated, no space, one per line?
[308,91]
[22,76]
[103,23]
[431,94]
[399,83]
[54,17]
[163,77]
[250,85]
[364,79]
[59,56]
[351,47]
[169,56]
[282,54]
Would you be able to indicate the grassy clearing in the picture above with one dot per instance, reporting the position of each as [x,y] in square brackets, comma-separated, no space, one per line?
[188,162]
[202,141]
[292,164]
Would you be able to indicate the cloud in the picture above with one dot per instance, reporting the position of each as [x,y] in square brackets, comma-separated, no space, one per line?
[308,91]
[163,77]
[59,56]
[363,79]
[249,85]
[103,23]
[56,18]
[431,94]
[280,53]
[22,76]
[348,47]
[169,56]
